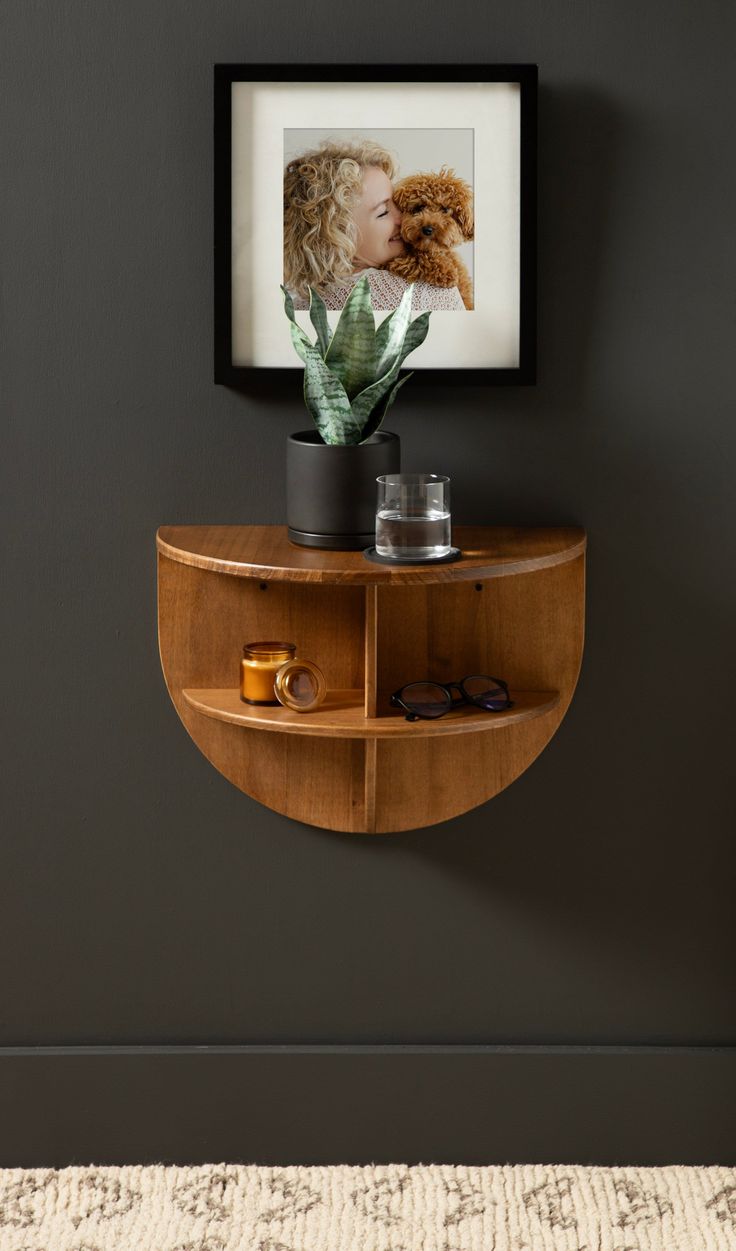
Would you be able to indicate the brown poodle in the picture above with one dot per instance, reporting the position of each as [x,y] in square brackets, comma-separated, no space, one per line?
[437,215]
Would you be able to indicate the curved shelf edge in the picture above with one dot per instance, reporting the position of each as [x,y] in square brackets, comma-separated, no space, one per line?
[335,768]
[264,552]
[342,716]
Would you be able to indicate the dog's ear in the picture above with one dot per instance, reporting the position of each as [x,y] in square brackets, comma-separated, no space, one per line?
[402,191]
[463,206]
[465,215]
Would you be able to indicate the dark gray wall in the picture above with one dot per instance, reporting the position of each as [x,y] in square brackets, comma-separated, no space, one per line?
[143,900]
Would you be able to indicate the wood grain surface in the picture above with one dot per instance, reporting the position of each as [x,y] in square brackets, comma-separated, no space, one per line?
[265,552]
[356,765]
[342,715]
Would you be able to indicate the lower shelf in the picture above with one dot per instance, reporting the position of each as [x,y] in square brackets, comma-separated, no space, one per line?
[513,606]
[342,715]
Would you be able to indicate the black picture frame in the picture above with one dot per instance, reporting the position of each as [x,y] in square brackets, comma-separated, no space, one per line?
[239,373]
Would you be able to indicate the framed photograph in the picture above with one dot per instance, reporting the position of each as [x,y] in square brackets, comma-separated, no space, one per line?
[422,174]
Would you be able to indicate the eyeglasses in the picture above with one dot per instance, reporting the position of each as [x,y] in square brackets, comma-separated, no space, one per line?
[427,700]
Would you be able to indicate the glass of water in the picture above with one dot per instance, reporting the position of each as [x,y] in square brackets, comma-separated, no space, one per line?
[413,516]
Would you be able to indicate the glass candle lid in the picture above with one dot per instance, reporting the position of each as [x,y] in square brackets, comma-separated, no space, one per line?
[300,684]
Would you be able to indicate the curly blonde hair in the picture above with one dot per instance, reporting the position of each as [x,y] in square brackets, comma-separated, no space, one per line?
[321,190]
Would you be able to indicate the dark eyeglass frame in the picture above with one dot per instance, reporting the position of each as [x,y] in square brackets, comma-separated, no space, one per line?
[396,700]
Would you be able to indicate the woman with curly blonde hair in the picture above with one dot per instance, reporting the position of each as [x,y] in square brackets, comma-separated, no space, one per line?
[340,222]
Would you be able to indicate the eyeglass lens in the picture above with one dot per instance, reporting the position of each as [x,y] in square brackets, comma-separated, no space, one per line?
[426,698]
[485,691]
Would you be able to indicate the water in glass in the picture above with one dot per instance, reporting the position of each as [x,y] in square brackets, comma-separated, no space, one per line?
[412,537]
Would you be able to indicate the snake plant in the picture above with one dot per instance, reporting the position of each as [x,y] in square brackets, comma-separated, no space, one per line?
[350,376]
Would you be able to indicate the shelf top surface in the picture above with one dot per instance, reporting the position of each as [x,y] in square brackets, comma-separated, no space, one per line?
[342,715]
[265,552]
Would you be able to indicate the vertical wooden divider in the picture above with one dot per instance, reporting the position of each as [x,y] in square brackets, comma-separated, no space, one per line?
[516,609]
[371,650]
[371,695]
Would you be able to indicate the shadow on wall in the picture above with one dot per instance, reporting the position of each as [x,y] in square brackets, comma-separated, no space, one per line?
[581,137]
[623,826]
[617,843]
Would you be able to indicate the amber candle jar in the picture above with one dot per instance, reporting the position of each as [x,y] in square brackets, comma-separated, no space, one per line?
[258,669]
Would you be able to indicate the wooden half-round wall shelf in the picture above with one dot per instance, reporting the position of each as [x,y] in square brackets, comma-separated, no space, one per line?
[513,606]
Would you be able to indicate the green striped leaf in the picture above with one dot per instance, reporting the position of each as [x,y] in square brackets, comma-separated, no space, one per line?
[298,336]
[416,333]
[366,405]
[379,412]
[351,376]
[352,351]
[391,332]
[325,397]
[318,316]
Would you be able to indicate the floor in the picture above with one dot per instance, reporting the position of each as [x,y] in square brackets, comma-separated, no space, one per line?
[226,1207]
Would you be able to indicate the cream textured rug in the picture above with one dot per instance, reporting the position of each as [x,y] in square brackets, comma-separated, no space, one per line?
[224,1207]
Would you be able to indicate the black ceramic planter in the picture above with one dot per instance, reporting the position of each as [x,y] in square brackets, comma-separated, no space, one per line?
[331,491]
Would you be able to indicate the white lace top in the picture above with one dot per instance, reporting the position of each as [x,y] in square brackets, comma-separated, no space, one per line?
[386,292]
